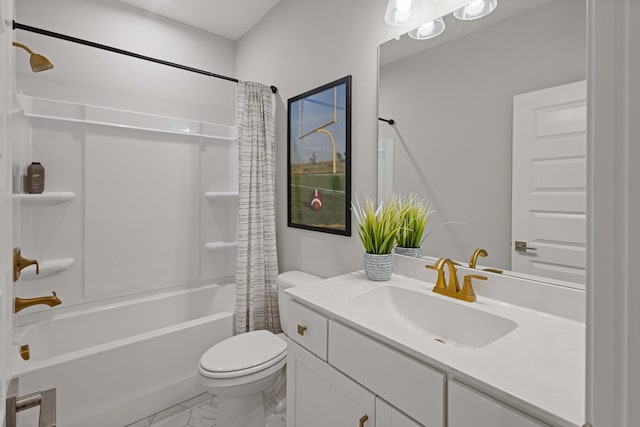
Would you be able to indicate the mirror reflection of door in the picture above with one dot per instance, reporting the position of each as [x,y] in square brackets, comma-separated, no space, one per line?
[549,203]
[452,101]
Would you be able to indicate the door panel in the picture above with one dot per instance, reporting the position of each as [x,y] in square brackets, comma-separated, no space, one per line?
[549,182]
[6,261]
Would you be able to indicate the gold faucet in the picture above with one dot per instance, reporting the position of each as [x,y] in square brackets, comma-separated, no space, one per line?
[474,258]
[19,263]
[22,303]
[441,286]
[452,289]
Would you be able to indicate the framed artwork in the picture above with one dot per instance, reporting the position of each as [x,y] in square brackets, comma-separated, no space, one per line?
[319,159]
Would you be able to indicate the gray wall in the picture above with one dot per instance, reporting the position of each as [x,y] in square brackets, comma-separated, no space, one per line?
[300,45]
[96,77]
[453,107]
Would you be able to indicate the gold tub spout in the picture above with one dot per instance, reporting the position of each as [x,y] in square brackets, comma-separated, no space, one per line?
[22,303]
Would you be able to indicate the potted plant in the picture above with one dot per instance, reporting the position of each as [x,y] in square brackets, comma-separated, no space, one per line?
[377,228]
[413,213]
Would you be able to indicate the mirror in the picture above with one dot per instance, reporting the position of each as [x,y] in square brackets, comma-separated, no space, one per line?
[452,101]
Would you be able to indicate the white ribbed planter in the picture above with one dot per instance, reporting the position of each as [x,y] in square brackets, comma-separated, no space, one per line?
[414,252]
[378,267]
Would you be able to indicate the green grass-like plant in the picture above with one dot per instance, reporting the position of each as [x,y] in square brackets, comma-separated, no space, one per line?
[377,225]
[413,212]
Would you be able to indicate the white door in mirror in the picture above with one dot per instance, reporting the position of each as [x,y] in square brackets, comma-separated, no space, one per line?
[549,182]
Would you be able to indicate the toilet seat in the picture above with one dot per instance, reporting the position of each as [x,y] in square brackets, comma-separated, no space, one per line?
[242,355]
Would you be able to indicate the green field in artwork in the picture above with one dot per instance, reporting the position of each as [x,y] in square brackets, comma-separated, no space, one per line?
[332,188]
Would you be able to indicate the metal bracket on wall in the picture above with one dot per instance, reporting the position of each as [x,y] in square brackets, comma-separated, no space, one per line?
[45,399]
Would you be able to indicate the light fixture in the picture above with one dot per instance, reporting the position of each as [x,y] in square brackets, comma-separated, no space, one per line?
[475,10]
[428,30]
[402,12]
[38,62]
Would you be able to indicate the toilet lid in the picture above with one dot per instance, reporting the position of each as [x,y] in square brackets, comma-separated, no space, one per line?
[243,352]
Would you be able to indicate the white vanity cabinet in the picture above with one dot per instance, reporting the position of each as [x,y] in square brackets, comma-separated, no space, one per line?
[318,394]
[468,407]
[337,376]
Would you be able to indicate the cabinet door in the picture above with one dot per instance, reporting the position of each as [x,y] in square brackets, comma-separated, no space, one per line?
[320,396]
[388,416]
[468,408]
[412,387]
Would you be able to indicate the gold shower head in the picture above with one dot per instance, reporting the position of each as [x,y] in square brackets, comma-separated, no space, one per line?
[38,62]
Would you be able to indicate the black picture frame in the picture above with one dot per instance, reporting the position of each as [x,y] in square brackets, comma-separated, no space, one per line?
[319,159]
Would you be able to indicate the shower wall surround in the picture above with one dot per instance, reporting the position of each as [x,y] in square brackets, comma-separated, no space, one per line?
[139,219]
[142,216]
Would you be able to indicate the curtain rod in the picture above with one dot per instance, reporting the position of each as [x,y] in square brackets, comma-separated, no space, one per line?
[18,26]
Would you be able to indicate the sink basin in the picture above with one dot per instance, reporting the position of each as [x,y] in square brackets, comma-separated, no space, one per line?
[445,321]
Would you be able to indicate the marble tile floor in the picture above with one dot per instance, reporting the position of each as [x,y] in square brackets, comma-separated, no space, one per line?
[199,411]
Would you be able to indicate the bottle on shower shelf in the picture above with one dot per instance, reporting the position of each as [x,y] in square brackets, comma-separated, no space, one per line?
[34,181]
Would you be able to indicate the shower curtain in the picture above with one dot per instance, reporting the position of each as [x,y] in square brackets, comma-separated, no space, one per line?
[257,260]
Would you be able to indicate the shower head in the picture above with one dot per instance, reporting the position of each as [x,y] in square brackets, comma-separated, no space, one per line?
[38,62]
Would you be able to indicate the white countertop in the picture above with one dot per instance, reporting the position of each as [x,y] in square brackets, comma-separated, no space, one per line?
[539,366]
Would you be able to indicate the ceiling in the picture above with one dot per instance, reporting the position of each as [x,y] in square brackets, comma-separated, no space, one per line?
[227,18]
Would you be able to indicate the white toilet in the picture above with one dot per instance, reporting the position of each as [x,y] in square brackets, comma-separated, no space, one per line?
[247,371]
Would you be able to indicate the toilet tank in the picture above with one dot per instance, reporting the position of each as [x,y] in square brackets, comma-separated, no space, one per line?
[288,280]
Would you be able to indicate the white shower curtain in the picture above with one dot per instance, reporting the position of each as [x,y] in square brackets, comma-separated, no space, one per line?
[257,260]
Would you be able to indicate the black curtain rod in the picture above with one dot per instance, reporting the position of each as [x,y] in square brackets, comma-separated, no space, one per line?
[390,121]
[18,26]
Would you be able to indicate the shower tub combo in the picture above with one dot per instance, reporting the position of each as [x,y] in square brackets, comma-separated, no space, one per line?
[114,364]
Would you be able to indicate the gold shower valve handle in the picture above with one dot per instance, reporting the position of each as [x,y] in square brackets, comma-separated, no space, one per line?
[363,420]
[301,329]
[20,263]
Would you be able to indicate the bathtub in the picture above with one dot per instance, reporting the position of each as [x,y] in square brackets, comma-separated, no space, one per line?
[117,363]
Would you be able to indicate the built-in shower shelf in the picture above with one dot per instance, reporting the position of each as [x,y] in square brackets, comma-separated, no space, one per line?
[221,196]
[46,198]
[93,114]
[221,246]
[47,268]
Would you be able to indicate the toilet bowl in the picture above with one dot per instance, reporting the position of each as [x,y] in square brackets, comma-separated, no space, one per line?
[247,371]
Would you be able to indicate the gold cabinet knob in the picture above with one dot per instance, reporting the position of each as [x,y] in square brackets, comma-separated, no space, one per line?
[24,352]
[301,329]
[363,420]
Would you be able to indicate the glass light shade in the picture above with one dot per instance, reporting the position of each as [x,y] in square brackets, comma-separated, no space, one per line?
[475,10]
[402,12]
[428,30]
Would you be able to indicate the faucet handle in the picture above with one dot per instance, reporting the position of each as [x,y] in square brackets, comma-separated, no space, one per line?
[440,283]
[467,292]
